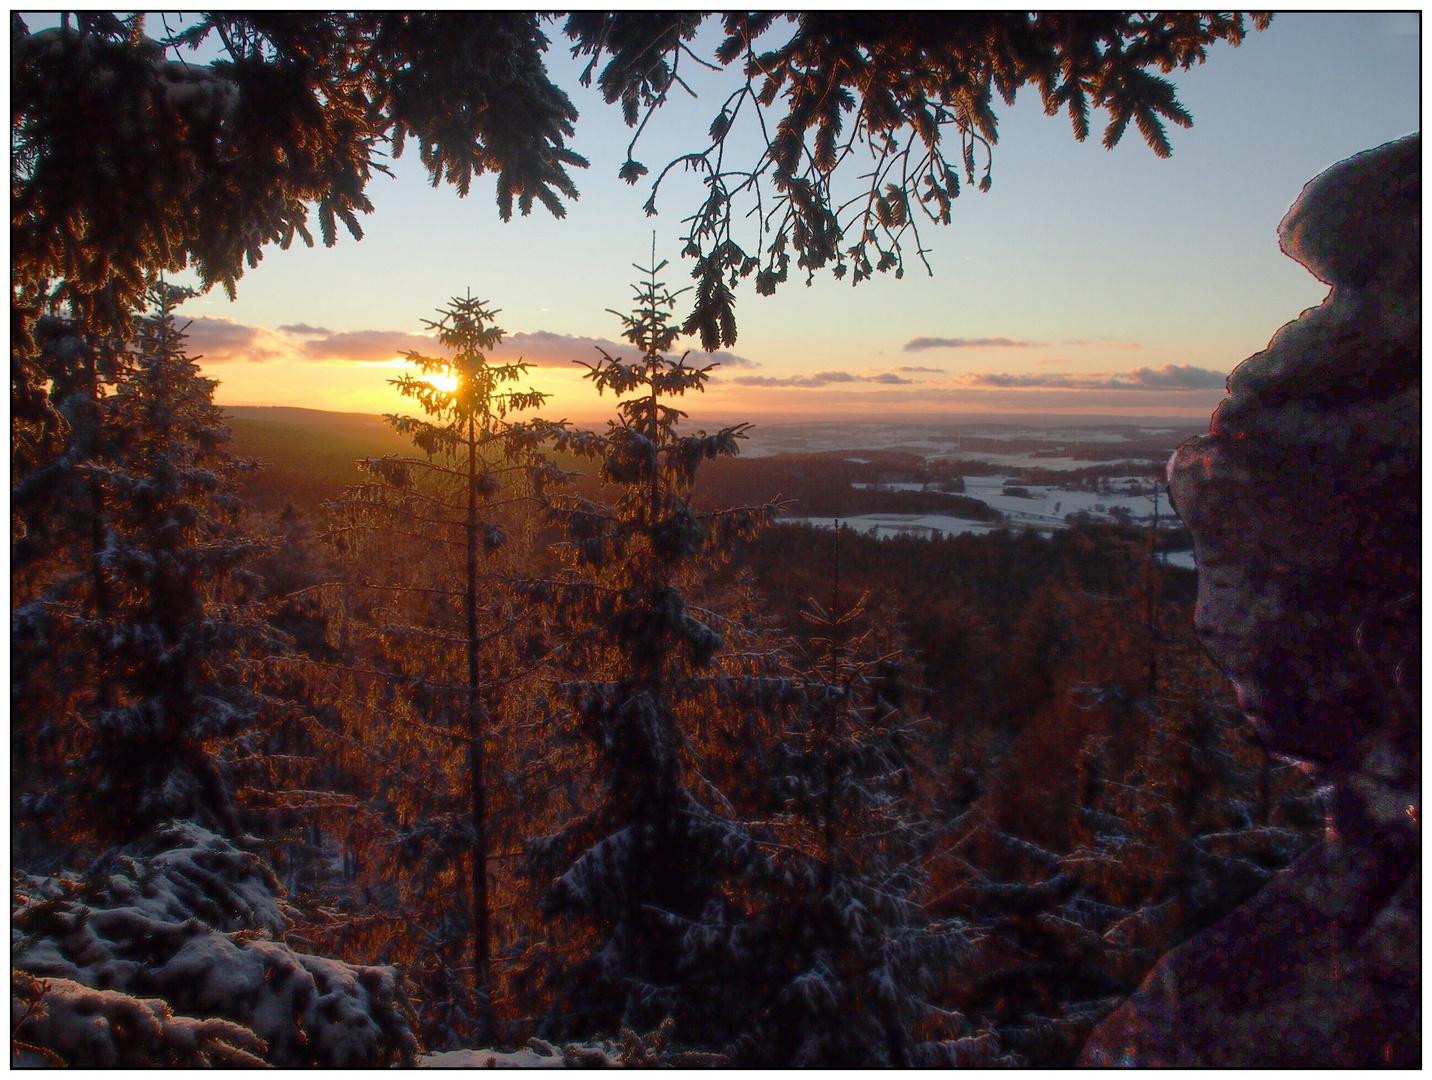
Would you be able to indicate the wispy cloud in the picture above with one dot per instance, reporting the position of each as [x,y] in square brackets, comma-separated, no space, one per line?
[542,348]
[922,370]
[369,346]
[224,340]
[820,378]
[1168,377]
[1104,343]
[919,343]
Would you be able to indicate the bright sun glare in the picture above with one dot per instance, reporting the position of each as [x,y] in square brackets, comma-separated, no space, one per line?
[444,382]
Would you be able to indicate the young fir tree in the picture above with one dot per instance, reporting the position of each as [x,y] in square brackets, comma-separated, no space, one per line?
[852,954]
[652,874]
[167,623]
[446,502]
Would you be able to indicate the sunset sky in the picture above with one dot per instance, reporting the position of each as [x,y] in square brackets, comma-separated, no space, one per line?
[1085,281]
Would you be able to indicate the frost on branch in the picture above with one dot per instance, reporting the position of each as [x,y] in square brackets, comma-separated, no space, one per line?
[185,918]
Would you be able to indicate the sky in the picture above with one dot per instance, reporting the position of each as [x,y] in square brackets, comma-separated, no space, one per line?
[1085,282]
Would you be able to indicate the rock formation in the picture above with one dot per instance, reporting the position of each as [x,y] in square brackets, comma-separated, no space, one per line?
[1304,502]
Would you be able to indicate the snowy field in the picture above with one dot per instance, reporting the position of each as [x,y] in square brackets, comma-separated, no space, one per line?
[1027,461]
[1045,508]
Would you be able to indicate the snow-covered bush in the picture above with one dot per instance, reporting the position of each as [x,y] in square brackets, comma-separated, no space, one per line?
[107,1029]
[189,919]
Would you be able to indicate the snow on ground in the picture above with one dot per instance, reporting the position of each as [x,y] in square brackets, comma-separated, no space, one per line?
[630,1051]
[491,1059]
[1045,508]
[1029,461]
[126,961]
[887,525]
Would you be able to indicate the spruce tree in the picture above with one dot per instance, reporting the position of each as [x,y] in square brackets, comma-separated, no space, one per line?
[453,499]
[652,873]
[167,622]
[57,536]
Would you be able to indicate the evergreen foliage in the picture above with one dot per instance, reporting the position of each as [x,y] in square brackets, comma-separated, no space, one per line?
[656,874]
[884,89]
[852,959]
[158,624]
[130,160]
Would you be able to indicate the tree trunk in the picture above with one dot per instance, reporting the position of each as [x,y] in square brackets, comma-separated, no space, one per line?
[481,960]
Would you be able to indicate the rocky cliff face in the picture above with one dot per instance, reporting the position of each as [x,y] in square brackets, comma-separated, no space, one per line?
[1304,502]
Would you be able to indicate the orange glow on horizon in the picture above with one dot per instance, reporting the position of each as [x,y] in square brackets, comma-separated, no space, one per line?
[354,388]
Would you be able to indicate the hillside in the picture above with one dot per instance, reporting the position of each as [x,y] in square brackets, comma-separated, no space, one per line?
[307,454]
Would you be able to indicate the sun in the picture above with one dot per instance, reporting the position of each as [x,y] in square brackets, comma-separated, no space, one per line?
[446,383]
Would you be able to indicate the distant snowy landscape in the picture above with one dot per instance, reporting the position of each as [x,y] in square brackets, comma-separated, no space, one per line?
[1044,507]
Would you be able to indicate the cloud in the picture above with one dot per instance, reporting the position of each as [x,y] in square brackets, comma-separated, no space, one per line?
[1178,377]
[220,340]
[1048,360]
[1168,377]
[916,344]
[370,346]
[542,348]
[768,380]
[931,370]
[820,378]
[1105,342]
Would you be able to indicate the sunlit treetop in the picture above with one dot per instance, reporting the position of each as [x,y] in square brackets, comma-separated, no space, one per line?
[128,160]
[462,393]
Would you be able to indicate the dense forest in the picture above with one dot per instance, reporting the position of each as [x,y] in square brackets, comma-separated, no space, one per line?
[529,732]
